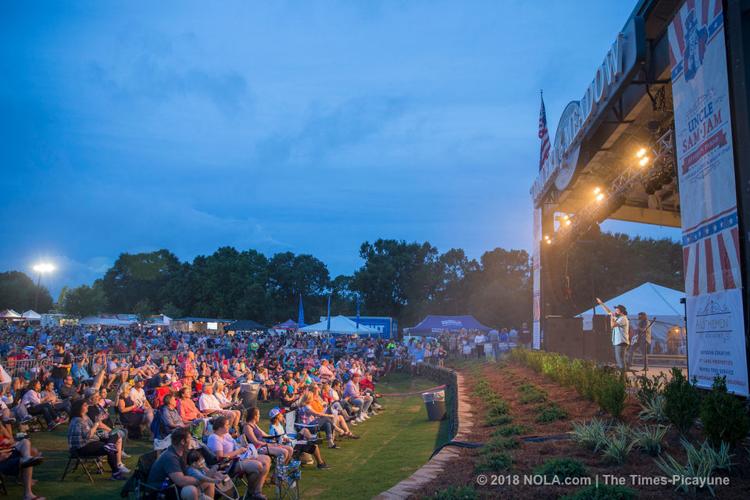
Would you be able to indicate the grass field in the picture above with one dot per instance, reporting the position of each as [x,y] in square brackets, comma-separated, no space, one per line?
[392,446]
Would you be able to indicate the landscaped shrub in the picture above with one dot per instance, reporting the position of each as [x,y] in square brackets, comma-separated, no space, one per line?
[602,492]
[610,392]
[561,468]
[654,409]
[550,413]
[456,493]
[531,394]
[592,434]
[648,438]
[617,447]
[649,387]
[702,462]
[511,430]
[495,420]
[494,461]
[500,443]
[723,416]
[681,401]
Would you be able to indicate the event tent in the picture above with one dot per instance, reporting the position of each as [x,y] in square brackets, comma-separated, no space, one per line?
[110,320]
[9,314]
[340,325]
[244,325]
[158,320]
[658,302]
[445,324]
[32,315]
[287,325]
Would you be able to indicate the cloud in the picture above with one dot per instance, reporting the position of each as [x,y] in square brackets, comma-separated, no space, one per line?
[148,67]
[326,130]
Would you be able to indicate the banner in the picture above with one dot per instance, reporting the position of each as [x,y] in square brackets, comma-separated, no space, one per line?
[536,268]
[708,196]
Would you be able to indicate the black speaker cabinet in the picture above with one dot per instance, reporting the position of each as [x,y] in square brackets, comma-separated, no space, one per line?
[564,335]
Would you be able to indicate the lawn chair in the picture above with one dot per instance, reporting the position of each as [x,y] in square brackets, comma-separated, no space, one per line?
[82,462]
[138,483]
[287,478]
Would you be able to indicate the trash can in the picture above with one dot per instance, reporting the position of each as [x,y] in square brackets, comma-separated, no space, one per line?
[434,402]
[249,394]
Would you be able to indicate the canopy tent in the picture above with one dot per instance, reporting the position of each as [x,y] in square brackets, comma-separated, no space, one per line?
[445,324]
[244,325]
[32,315]
[113,320]
[340,325]
[660,303]
[286,325]
[158,320]
[10,314]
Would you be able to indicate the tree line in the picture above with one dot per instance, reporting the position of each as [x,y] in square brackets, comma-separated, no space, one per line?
[405,280]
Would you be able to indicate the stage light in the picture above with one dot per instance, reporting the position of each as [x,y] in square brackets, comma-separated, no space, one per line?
[549,242]
[641,153]
[568,222]
[644,161]
[597,190]
[600,197]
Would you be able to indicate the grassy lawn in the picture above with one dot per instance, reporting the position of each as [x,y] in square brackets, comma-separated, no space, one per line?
[392,446]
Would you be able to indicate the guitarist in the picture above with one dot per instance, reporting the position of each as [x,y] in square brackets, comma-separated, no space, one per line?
[618,320]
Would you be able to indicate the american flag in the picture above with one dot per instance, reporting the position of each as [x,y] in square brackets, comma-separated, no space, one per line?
[544,136]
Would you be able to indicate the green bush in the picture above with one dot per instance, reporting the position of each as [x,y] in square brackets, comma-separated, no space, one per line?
[495,420]
[702,462]
[531,394]
[723,416]
[561,468]
[603,492]
[610,392]
[551,413]
[654,409]
[681,401]
[494,461]
[500,443]
[649,438]
[456,493]
[617,447]
[499,407]
[592,434]
[649,387]
[511,430]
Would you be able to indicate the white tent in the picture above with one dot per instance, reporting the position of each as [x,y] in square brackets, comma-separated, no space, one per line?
[9,314]
[114,320]
[158,320]
[660,303]
[32,315]
[340,325]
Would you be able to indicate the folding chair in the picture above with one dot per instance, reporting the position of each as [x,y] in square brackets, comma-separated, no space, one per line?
[287,479]
[79,461]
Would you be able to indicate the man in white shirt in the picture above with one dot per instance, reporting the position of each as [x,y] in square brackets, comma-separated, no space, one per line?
[138,397]
[208,404]
[620,333]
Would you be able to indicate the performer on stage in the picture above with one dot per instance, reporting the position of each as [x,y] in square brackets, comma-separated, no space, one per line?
[641,340]
[618,320]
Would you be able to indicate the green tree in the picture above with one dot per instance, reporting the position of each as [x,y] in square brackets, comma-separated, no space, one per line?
[137,277]
[19,292]
[84,301]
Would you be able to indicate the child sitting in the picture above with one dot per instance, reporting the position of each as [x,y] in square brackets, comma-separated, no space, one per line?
[197,468]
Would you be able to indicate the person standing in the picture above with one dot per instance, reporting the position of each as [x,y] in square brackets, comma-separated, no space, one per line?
[643,338]
[618,320]
[61,363]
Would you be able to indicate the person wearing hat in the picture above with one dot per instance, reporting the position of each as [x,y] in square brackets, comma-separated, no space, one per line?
[277,432]
[618,320]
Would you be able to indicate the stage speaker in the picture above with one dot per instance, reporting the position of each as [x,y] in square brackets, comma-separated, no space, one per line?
[564,335]
[597,343]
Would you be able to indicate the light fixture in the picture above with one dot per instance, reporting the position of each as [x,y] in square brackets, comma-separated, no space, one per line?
[568,222]
[600,197]
[597,190]
[43,267]
[641,153]
[549,241]
[644,161]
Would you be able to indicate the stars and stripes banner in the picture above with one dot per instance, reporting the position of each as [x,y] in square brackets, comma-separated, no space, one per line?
[544,136]
[708,196]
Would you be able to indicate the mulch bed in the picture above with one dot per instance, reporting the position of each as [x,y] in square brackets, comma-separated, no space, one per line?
[505,380]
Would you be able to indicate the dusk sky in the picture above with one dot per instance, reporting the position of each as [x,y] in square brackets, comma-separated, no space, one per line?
[281,126]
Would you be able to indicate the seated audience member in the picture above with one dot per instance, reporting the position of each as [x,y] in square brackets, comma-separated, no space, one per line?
[314,420]
[132,417]
[258,438]
[32,400]
[210,405]
[355,398]
[18,459]
[68,390]
[170,417]
[138,397]
[49,395]
[171,466]
[306,444]
[89,439]
[246,460]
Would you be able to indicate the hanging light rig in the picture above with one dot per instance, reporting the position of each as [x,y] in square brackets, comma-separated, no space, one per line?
[644,159]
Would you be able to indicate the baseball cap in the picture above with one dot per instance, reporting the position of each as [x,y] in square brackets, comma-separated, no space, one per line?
[275,411]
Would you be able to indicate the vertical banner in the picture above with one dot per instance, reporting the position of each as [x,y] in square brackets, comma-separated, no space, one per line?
[536,268]
[708,196]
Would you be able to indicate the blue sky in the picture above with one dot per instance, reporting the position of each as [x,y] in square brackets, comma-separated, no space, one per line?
[301,126]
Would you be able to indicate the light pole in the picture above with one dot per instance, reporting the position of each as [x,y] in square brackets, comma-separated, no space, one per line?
[41,268]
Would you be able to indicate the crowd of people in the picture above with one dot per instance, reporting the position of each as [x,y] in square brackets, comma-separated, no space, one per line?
[195,395]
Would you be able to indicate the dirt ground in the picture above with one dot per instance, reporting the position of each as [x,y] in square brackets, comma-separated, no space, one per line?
[505,380]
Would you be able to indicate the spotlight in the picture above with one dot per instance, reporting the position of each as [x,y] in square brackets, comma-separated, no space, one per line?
[600,197]
[568,222]
[549,242]
[644,161]
[597,190]
[641,153]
